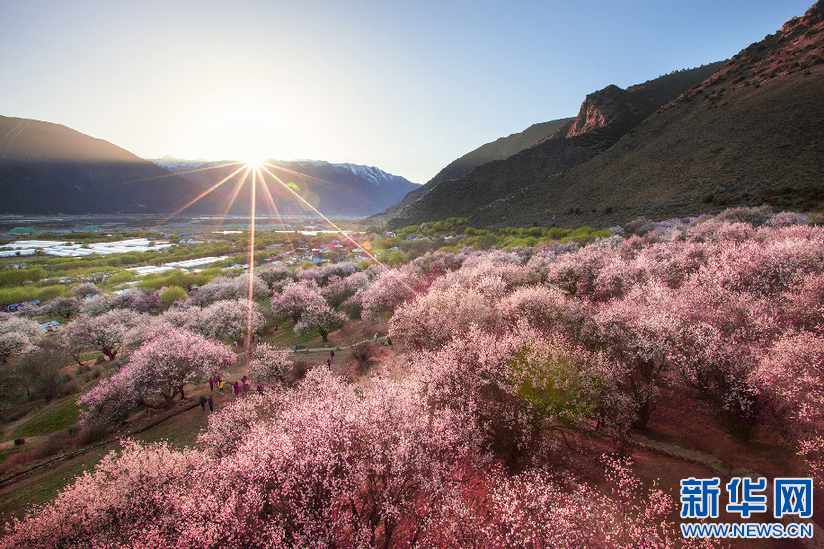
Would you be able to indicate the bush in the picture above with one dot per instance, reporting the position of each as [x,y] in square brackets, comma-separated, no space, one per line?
[40,372]
[362,353]
[55,444]
[636,224]
[92,431]
[299,369]
[754,216]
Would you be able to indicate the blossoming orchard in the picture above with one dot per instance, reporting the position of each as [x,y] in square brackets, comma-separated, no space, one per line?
[500,404]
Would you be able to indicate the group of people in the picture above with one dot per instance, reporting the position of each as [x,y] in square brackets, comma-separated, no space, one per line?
[209,401]
[217,381]
[238,386]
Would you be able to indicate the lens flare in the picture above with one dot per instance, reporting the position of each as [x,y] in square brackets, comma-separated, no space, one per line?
[255,163]
[254,171]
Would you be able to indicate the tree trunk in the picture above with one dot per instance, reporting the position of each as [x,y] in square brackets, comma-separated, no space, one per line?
[644,413]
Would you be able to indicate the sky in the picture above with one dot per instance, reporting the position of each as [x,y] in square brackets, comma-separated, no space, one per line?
[406,86]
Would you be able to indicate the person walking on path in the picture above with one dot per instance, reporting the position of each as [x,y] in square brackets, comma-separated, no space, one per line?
[220,385]
[211,404]
[245,384]
[329,363]
[203,403]
[237,388]
[211,384]
[332,353]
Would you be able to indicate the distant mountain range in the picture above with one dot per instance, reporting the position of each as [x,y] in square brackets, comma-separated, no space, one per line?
[49,169]
[745,132]
[349,190]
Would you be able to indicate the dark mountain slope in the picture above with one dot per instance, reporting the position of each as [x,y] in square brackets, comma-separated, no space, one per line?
[95,176]
[26,190]
[750,134]
[500,149]
[605,116]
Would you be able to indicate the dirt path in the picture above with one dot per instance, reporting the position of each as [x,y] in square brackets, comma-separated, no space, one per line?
[334,347]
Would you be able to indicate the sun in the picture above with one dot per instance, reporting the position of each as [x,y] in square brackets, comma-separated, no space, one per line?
[255,162]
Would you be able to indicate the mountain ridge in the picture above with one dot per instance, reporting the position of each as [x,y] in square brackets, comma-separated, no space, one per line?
[48,168]
[750,134]
[341,189]
[603,118]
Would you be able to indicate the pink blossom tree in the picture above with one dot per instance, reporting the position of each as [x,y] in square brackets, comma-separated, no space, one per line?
[65,307]
[275,275]
[18,336]
[790,375]
[636,334]
[98,304]
[230,319]
[268,363]
[387,290]
[163,366]
[125,502]
[337,289]
[30,329]
[225,288]
[85,289]
[292,301]
[104,333]
[14,343]
[160,369]
[319,315]
[147,302]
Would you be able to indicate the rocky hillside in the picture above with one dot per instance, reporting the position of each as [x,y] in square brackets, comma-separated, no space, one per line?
[752,133]
[604,117]
[500,149]
[49,169]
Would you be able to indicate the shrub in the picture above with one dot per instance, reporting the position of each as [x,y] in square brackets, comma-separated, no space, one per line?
[299,369]
[754,216]
[91,432]
[362,353]
[40,372]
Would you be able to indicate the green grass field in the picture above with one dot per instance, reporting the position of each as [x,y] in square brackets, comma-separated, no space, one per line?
[55,416]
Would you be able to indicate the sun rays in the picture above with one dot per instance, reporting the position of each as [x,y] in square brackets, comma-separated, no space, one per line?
[259,175]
